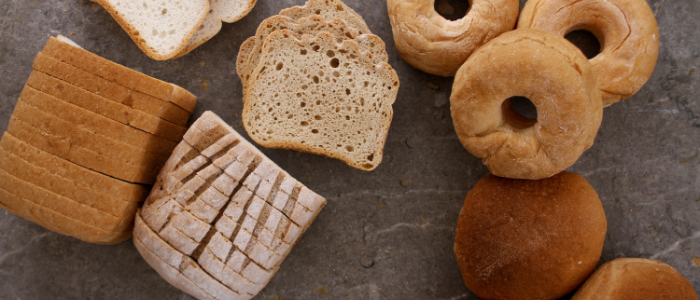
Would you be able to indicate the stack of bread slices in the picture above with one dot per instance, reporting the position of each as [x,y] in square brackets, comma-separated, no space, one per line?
[169,29]
[86,137]
[222,216]
[316,80]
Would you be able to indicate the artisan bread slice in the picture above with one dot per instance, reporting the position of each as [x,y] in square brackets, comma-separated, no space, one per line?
[313,25]
[160,28]
[316,96]
[66,51]
[228,11]
[329,10]
[250,216]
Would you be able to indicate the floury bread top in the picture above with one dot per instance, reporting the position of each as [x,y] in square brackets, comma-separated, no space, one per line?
[222,216]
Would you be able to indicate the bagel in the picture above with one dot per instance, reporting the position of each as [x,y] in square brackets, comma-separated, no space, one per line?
[555,76]
[525,239]
[627,32]
[636,278]
[433,44]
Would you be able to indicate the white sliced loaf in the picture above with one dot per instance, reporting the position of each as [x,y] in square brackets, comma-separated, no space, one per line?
[328,9]
[160,28]
[312,26]
[316,96]
[228,11]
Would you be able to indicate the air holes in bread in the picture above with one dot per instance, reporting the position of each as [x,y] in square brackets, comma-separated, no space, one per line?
[350,148]
[335,62]
[280,66]
[330,53]
[304,123]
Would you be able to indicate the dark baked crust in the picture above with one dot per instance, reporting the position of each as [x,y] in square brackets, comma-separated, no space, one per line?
[636,278]
[521,239]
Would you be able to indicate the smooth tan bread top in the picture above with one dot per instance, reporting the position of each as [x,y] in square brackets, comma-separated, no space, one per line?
[433,44]
[636,278]
[559,81]
[523,239]
[627,31]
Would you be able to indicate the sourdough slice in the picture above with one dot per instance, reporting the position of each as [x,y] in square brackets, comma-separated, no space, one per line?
[316,96]
[259,214]
[228,11]
[160,28]
[313,25]
[65,50]
[243,55]
[329,10]
[105,107]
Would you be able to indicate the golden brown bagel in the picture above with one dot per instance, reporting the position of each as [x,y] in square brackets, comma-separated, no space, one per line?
[524,239]
[435,45]
[559,81]
[627,31]
[636,278]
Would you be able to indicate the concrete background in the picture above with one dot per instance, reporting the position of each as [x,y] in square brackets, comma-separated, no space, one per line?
[386,234]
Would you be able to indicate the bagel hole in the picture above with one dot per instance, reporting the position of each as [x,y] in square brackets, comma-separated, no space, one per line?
[452,10]
[586,41]
[519,112]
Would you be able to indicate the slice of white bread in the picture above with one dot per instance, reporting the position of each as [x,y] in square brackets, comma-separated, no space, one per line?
[67,51]
[317,96]
[228,11]
[160,28]
[329,10]
[313,25]
[222,216]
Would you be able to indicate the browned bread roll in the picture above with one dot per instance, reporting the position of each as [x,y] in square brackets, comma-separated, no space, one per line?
[636,278]
[433,44]
[522,239]
[627,31]
[550,72]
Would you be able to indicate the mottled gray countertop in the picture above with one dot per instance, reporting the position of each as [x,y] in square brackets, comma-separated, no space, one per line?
[386,234]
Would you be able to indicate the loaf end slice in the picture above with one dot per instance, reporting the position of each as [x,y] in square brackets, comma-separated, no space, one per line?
[161,29]
[317,96]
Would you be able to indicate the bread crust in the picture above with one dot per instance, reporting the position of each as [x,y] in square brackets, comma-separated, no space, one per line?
[119,74]
[142,44]
[110,90]
[524,239]
[329,10]
[433,44]
[550,72]
[100,183]
[627,31]
[107,108]
[636,278]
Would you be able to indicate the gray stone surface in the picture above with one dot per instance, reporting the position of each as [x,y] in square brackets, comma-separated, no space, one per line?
[386,234]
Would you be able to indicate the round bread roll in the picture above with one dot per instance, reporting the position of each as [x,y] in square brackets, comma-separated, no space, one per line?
[627,32]
[524,239]
[555,76]
[433,44]
[636,278]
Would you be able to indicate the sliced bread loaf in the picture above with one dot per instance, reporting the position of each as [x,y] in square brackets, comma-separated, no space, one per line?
[328,9]
[317,96]
[65,50]
[312,26]
[228,11]
[222,216]
[160,28]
